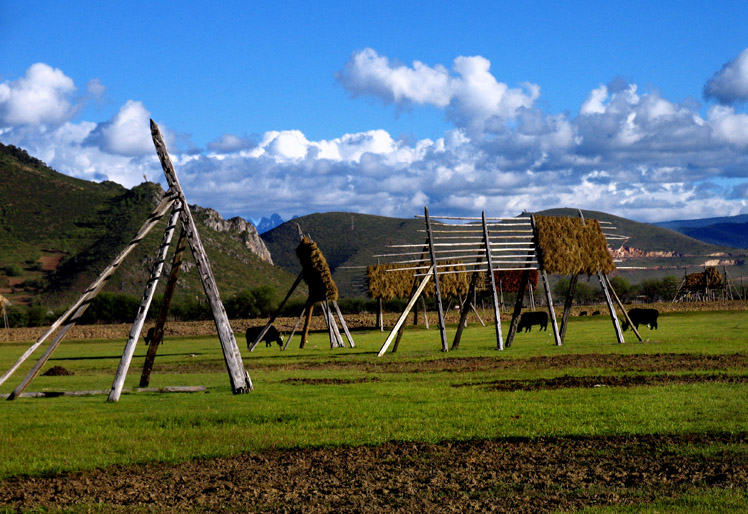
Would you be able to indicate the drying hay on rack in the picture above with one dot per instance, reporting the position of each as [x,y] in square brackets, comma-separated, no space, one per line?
[709,278]
[316,272]
[570,245]
[510,279]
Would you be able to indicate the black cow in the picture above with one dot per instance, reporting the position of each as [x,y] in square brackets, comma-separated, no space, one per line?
[271,335]
[528,319]
[642,317]
[149,335]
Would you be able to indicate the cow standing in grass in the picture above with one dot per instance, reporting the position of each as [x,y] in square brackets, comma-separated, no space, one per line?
[271,335]
[642,317]
[528,319]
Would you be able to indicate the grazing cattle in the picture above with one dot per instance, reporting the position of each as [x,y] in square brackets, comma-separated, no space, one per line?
[596,313]
[642,317]
[528,319]
[271,335]
[583,313]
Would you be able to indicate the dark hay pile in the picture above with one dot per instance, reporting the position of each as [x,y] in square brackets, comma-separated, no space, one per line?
[508,281]
[57,371]
[710,277]
[316,272]
[568,246]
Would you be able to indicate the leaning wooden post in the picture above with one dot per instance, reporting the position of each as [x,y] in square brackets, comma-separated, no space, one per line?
[158,330]
[405,313]
[568,303]
[343,323]
[240,381]
[425,312]
[623,309]
[464,310]
[489,259]
[145,304]
[277,311]
[548,296]
[380,322]
[293,331]
[523,280]
[307,321]
[75,311]
[614,318]
[442,324]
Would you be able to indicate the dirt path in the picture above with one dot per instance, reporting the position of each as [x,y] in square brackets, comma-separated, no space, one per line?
[518,476]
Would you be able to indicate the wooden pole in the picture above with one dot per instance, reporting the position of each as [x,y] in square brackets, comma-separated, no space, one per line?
[464,310]
[145,304]
[238,376]
[442,324]
[620,306]
[523,280]
[277,311]
[71,316]
[405,313]
[158,330]
[293,331]
[489,258]
[425,312]
[614,318]
[548,296]
[568,303]
[307,321]
[380,321]
[343,324]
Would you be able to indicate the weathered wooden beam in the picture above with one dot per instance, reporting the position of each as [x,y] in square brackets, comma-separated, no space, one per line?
[145,304]
[404,315]
[351,343]
[548,295]
[238,376]
[496,312]
[613,317]
[523,280]
[440,309]
[307,321]
[293,331]
[158,330]
[70,317]
[567,304]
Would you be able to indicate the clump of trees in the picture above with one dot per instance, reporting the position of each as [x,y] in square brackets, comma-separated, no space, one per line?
[648,290]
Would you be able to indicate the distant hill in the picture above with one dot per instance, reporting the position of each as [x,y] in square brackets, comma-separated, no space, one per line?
[57,233]
[349,242]
[269,223]
[729,231]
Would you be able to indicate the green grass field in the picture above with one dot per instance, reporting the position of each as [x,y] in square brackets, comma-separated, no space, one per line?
[323,397]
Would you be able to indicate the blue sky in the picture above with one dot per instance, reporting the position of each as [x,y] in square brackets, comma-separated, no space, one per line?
[296,107]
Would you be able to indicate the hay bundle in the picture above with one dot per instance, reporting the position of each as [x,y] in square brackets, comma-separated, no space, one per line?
[316,272]
[568,246]
[509,280]
[388,281]
[710,277]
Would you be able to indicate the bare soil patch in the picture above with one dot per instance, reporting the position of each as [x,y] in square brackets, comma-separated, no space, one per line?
[57,371]
[514,475]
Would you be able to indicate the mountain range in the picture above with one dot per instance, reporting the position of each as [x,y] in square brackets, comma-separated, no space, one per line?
[727,231]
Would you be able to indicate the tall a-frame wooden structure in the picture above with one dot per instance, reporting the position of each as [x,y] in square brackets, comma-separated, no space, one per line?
[173,199]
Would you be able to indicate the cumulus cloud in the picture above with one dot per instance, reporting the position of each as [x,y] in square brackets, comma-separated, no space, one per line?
[730,84]
[471,96]
[228,143]
[127,133]
[44,96]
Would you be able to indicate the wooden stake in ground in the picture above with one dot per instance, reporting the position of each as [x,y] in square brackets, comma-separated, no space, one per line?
[548,297]
[240,381]
[405,313]
[489,259]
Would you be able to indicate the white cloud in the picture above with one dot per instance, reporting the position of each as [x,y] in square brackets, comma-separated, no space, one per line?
[228,143]
[42,97]
[471,97]
[730,84]
[728,125]
[127,133]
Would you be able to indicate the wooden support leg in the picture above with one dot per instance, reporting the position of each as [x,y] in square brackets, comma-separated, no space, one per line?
[307,321]
[440,310]
[145,303]
[158,330]
[343,324]
[551,310]
[523,281]
[425,312]
[405,313]
[613,316]
[397,339]
[567,304]
[464,310]
[620,305]
[380,316]
[293,331]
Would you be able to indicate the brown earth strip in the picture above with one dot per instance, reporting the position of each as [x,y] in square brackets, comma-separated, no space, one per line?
[568,381]
[513,475]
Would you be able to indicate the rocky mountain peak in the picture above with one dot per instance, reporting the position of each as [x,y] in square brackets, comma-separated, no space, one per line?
[238,228]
